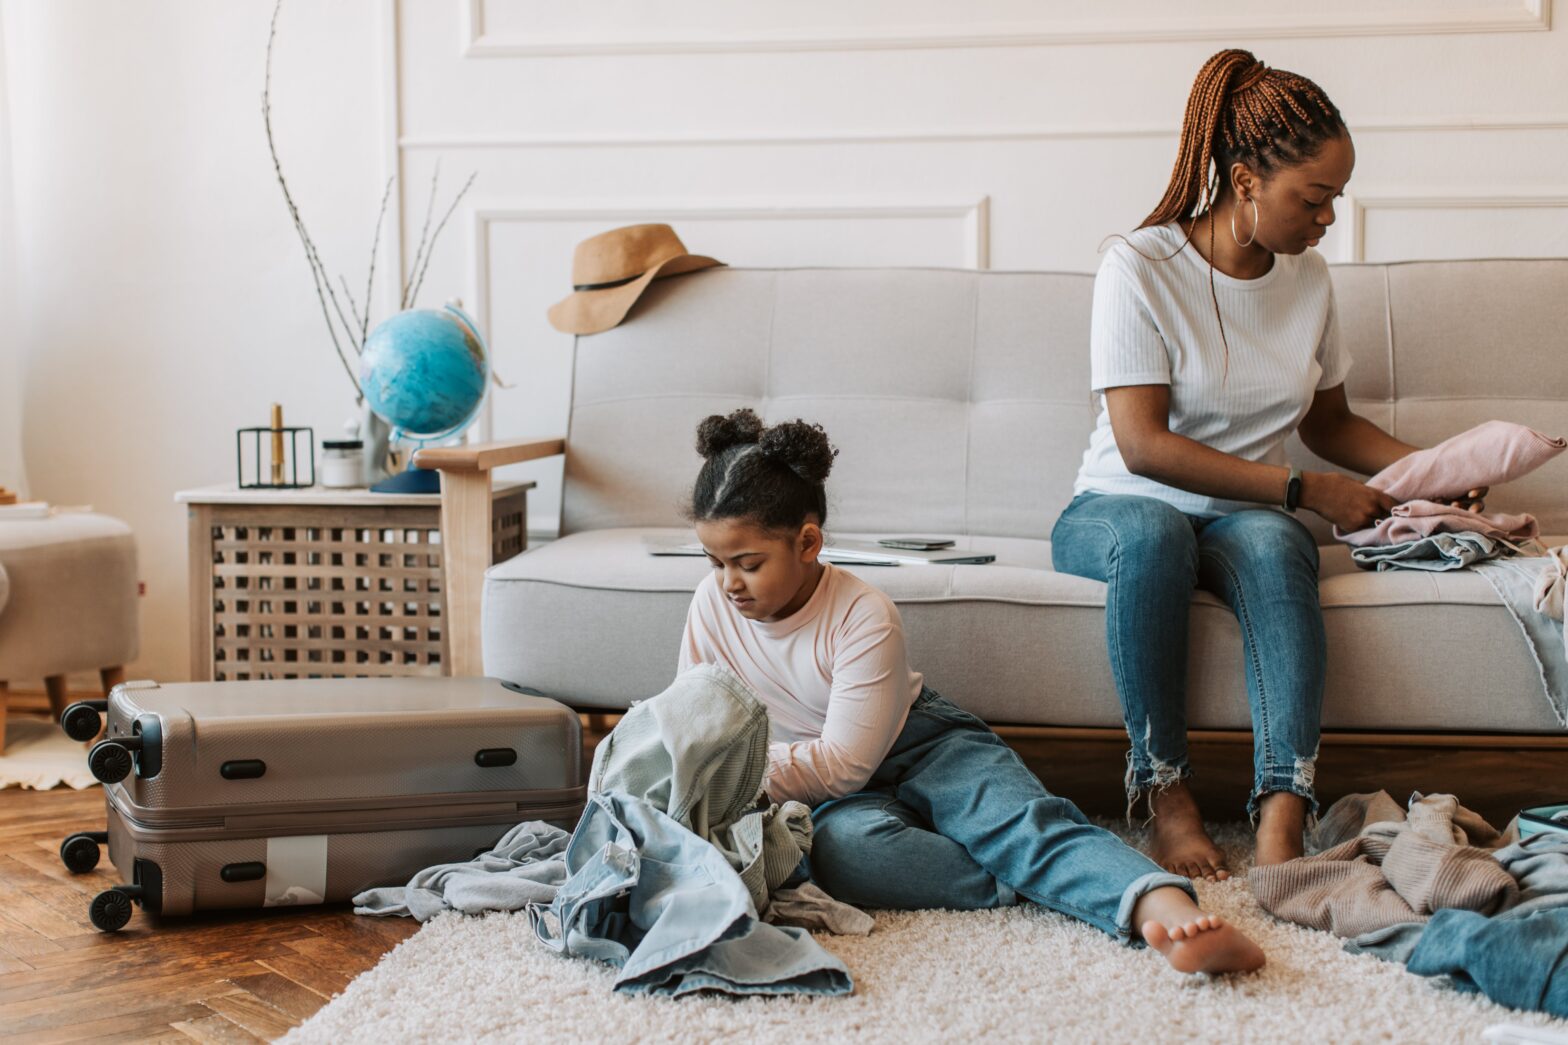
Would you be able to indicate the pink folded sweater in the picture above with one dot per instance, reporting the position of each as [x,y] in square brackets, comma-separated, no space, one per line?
[1487,455]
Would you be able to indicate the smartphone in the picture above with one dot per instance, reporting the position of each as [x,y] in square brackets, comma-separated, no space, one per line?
[919,544]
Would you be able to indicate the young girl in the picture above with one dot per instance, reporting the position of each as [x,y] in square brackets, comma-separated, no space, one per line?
[916,803]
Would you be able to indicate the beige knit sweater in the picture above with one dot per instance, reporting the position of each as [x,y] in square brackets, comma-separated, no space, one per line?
[1383,866]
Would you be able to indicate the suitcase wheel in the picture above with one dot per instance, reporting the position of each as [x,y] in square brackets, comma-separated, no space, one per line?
[83,720]
[111,909]
[80,852]
[110,760]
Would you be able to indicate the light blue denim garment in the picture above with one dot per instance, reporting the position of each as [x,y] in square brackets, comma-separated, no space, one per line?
[1518,960]
[1438,553]
[953,818]
[698,752]
[1514,580]
[1539,864]
[647,895]
[524,867]
[1264,564]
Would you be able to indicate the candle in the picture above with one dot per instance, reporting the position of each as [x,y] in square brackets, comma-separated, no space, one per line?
[277,444]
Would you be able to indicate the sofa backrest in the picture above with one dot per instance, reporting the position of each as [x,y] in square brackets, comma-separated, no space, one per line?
[960,399]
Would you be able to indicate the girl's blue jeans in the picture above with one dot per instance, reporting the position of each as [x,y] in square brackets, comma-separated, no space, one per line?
[1261,562]
[953,818]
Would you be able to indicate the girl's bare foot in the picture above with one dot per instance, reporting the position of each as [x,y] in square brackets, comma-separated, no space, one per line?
[1178,841]
[1206,944]
[1191,940]
[1282,817]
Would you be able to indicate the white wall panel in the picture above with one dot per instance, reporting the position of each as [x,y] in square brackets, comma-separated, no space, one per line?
[533,28]
[1503,226]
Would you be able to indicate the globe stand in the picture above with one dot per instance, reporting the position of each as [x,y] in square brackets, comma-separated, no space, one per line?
[411,480]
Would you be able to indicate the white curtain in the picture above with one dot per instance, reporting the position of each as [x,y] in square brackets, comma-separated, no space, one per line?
[13,474]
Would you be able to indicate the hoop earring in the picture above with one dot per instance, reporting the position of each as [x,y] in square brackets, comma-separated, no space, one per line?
[1233,211]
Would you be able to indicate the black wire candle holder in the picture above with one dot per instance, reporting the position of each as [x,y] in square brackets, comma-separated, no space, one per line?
[287,470]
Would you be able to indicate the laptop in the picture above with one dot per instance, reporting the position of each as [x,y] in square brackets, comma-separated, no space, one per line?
[853,553]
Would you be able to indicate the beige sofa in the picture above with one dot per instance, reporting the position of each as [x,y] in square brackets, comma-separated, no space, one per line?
[961,403]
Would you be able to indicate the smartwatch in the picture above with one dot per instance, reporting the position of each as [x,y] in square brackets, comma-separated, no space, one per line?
[1293,490]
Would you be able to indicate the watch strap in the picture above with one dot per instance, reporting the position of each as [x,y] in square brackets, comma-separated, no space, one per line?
[1293,489]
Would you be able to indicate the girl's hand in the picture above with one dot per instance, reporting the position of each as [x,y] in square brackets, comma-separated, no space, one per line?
[1343,501]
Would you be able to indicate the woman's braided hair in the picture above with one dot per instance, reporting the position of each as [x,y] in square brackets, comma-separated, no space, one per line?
[770,475]
[1239,111]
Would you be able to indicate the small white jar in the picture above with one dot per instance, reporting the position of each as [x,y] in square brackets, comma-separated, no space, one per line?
[340,462]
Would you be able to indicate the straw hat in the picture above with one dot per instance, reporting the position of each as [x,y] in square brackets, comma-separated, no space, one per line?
[611,270]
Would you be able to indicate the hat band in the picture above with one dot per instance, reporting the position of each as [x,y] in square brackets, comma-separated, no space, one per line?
[610,284]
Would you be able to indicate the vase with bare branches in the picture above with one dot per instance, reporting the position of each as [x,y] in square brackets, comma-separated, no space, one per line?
[348,322]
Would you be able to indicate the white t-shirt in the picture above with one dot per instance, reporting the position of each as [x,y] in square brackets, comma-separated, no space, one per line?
[1153,324]
[833,675]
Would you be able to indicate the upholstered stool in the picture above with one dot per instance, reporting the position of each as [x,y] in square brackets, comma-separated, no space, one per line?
[67,601]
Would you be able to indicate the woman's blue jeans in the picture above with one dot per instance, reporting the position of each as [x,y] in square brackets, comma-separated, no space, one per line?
[953,818]
[1261,562]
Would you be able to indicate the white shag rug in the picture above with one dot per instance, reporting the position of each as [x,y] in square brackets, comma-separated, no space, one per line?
[1019,974]
[38,755]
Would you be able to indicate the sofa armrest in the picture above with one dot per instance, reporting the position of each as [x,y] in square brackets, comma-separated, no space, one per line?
[481,457]
[465,533]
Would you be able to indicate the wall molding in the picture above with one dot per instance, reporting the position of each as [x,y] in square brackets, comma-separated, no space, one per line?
[975,213]
[891,136]
[1358,206]
[1390,20]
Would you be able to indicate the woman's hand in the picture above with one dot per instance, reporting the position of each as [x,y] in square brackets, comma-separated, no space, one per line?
[1343,501]
[1474,501]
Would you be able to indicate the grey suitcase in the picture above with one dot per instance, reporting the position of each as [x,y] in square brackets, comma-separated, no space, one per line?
[263,794]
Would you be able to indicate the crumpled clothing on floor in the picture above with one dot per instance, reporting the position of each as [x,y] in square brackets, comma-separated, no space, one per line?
[651,898]
[1518,960]
[1386,866]
[526,866]
[699,752]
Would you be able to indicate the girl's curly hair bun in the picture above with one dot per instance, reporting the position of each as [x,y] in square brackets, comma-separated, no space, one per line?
[718,433]
[802,446]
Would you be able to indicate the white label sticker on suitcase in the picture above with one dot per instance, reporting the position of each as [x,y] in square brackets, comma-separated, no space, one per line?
[296,870]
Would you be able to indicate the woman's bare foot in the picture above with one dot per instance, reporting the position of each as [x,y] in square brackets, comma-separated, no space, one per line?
[1282,817]
[1178,841]
[1191,940]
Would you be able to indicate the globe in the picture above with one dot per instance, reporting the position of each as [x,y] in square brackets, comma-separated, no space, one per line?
[424,372]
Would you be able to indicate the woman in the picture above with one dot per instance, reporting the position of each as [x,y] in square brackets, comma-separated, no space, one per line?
[1213,339]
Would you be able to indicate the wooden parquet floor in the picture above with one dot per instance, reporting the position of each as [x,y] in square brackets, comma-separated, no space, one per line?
[228,977]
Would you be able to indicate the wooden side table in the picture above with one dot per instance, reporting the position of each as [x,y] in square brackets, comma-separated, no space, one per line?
[326,583]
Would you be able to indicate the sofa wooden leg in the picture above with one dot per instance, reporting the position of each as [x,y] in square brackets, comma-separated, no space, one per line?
[58,699]
[111,677]
[5,692]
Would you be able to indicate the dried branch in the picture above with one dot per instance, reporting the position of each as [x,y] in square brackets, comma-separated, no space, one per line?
[419,252]
[420,280]
[353,308]
[317,270]
[370,281]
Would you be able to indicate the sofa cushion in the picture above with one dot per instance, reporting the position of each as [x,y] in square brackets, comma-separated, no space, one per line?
[594,620]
